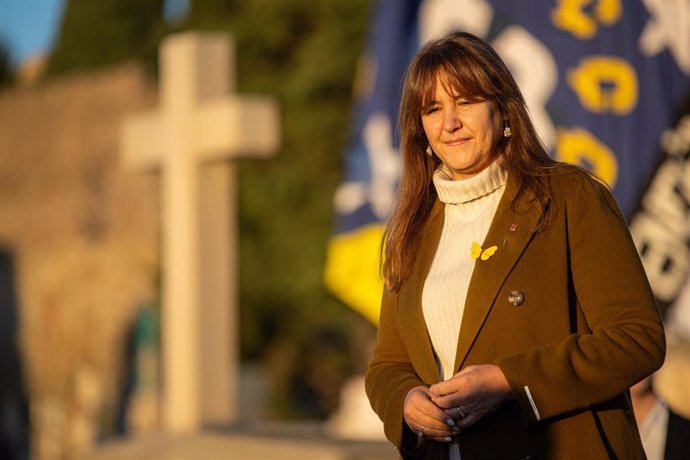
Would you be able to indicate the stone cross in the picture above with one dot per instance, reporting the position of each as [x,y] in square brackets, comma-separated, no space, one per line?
[199,126]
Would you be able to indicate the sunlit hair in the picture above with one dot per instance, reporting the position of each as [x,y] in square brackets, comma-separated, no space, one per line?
[467,67]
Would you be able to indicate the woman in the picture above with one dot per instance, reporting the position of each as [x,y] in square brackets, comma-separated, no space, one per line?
[516,313]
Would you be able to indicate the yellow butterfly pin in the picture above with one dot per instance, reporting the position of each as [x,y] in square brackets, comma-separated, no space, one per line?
[485,254]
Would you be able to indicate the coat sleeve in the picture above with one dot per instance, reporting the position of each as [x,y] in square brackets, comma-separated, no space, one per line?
[390,375]
[625,338]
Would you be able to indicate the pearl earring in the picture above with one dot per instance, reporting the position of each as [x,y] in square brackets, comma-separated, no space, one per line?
[428,150]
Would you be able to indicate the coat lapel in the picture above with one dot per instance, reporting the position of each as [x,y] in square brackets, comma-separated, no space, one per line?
[409,309]
[516,230]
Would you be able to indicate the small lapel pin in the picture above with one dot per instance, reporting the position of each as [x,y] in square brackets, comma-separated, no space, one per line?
[512,227]
[516,298]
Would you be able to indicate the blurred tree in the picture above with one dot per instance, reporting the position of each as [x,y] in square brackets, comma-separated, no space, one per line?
[95,34]
[304,52]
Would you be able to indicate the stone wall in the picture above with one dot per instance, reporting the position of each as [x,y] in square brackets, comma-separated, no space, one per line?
[84,236]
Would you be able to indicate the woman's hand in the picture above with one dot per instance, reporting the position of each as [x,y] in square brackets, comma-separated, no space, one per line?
[472,393]
[425,417]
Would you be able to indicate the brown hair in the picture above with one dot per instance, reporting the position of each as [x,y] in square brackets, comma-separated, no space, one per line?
[471,68]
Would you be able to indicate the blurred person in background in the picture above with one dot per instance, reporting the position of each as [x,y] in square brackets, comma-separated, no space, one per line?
[14,406]
[516,313]
[662,407]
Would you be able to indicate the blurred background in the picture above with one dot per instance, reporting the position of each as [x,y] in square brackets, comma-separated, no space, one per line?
[129,327]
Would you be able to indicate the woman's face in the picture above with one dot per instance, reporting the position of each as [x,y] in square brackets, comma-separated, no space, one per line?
[463,134]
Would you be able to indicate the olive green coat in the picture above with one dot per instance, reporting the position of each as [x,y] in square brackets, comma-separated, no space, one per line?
[587,329]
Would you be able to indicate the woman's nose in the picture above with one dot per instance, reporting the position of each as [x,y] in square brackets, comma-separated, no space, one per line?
[451,121]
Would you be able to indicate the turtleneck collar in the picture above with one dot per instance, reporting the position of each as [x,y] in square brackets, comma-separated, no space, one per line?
[452,191]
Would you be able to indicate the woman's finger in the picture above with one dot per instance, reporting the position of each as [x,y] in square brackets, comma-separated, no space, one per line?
[442,435]
[449,401]
[419,411]
[433,425]
[450,386]
[470,420]
[438,422]
[456,412]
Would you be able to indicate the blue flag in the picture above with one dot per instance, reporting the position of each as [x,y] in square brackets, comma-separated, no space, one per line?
[605,82]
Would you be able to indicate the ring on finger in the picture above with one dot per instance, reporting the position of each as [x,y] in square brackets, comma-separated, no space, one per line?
[460,413]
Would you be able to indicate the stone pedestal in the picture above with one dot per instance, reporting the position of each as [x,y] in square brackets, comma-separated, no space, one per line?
[355,420]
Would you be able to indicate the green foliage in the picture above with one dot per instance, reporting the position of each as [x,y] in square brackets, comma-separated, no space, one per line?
[304,53]
[94,34]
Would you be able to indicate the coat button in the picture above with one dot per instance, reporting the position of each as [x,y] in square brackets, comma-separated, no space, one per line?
[516,298]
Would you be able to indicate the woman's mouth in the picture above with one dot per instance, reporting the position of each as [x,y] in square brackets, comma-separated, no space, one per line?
[457,141]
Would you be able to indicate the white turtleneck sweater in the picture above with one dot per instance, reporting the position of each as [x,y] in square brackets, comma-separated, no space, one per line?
[470,205]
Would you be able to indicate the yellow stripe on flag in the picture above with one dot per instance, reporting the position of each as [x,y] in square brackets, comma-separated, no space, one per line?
[352,270]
